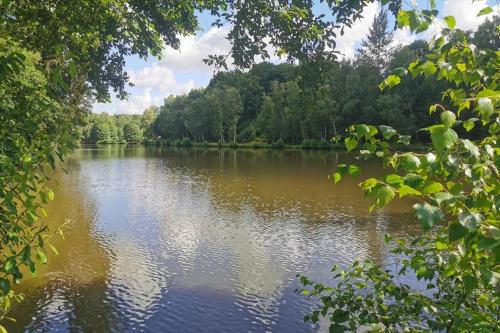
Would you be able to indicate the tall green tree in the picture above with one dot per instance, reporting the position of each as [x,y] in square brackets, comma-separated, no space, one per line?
[376,48]
[487,35]
[133,133]
[148,117]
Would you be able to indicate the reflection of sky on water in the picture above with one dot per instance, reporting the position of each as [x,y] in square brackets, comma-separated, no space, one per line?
[210,241]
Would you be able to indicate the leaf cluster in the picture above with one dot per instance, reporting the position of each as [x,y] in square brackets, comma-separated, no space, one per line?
[455,189]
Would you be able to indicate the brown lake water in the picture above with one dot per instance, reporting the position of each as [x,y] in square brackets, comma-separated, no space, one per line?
[192,240]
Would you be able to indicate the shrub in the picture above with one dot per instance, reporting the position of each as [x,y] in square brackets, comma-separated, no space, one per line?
[309,144]
[323,145]
[278,144]
[247,135]
[186,142]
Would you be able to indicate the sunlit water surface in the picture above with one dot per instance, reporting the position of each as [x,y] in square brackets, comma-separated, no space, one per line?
[187,240]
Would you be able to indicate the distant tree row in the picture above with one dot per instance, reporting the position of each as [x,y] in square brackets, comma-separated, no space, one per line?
[104,128]
[270,103]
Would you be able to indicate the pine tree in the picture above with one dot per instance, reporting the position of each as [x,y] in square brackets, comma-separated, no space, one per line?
[376,49]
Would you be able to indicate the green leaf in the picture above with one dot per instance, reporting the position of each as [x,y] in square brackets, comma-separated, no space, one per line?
[390,81]
[450,21]
[413,180]
[41,256]
[383,194]
[448,118]
[427,215]
[485,106]
[393,179]
[440,245]
[407,190]
[488,276]
[487,243]
[336,177]
[428,68]
[442,197]
[354,170]
[362,129]
[403,18]
[342,169]
[433,188]
[350,143]
[340,316]
[488,93]
[494,231]
[456,231]
[470,282]
[72,70]
[4,286]
[369,184]
[387,131]
[470,220]
[469,124]
[9,264]
[399,71]
[472,148]
[404,139]
[485,11]
[443,137]
[336,328]
[411,162]
[50,194]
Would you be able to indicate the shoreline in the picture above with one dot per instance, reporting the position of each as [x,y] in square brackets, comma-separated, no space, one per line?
[250,145]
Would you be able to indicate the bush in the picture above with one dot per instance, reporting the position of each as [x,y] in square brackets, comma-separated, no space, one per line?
[278,144]
[323,145]
[247,135]
[309,144]
[186,142]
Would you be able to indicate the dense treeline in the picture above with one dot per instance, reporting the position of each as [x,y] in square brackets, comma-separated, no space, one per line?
[104,128]
[270,103]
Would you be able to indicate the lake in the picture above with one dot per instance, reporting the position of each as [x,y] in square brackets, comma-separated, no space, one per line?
[193,240]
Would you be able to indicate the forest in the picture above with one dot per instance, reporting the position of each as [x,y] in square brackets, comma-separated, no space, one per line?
[271,103]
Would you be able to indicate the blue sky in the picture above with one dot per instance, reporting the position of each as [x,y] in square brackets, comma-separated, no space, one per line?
[179,71]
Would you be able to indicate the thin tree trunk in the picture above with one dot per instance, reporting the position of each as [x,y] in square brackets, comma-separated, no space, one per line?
[334,128]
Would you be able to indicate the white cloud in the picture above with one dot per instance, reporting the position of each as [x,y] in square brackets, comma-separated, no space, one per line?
[193,49]
[161,78]
[152,85]
[403,37]
[465,12]
[347,43]
[137,103]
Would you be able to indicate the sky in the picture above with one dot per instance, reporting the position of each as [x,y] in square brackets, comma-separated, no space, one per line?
[179,71]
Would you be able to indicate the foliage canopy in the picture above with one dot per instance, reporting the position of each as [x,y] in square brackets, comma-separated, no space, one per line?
[455,186]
